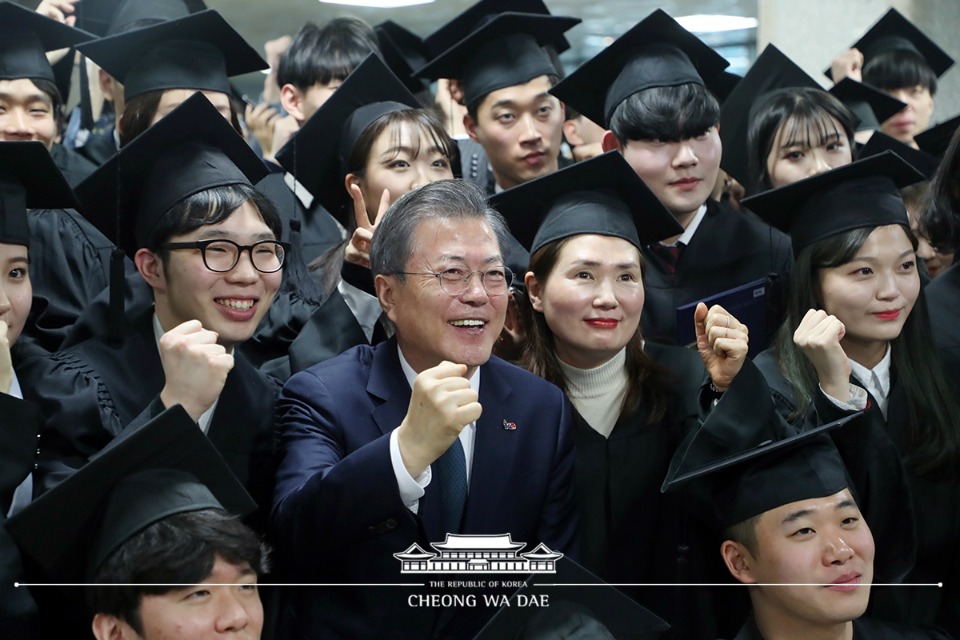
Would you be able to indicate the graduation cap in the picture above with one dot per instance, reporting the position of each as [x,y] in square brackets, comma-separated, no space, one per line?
[869,105]
[722,85]
[601,196]
[199,52]
[935,140]
[109,17]
[864,193]
[745,459]
[506,50]
[162,468]
[460,27]
[893,31]
[25,36]
[581,606]
[190,150]
[404,52]
[29,179]
[656,52]
[920,160]
[317,154]
[773,71]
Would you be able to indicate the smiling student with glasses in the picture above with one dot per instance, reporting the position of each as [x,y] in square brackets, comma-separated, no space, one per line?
[206,242]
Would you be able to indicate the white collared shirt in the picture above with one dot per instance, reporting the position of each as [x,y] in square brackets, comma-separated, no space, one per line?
[412,489]
[876,380]
[691,229]
[204,421]
[15,390]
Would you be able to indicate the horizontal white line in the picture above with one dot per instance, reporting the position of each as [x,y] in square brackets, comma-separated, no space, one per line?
[420,584]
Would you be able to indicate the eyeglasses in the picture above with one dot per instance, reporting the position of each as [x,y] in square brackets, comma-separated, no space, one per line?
[223,255]
[455,281]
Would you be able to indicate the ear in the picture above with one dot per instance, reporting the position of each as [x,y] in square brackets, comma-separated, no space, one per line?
[291,100]
[352,179]
[610,142]
[533,291]
[571,131]
[108,627]
[739,561]
[151,269]
[471,127]
[386,287]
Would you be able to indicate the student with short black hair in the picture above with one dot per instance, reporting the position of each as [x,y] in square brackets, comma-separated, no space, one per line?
[648,88]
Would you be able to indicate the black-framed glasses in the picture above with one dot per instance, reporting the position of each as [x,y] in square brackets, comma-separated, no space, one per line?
[455,281]
[267,256]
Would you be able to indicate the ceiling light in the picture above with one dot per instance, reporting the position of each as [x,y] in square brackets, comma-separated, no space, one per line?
[701,23]
[378,4]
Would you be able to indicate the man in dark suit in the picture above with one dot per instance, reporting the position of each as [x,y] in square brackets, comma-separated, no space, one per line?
[424,435]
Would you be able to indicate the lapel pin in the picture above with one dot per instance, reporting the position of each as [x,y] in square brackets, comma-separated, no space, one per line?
[509,426]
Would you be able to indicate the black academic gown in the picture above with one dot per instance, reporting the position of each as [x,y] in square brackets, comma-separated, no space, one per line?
[93,391]
[69,267]
[74,167]
[935,507]
[18,444]
[729,249]
[632,533]
[863,629]
[943,303]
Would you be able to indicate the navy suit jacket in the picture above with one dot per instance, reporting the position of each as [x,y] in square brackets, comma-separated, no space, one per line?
[338,516]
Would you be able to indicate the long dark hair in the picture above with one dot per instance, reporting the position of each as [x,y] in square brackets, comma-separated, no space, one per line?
[807,112]
[139,111]
[647,380]
[933,435]
[939,217]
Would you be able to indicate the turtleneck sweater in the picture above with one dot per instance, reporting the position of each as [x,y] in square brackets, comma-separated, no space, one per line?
[597,393]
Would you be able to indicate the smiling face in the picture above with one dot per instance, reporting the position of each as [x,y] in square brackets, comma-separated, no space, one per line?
[403,158]
[681,174]
[16,294]
[433,326]
[26,113]
[230,303]
[520,128]
[202,611]
[821,541]
[592,298]
[801,152]
[873,294]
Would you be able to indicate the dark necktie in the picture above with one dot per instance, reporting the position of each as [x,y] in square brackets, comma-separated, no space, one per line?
[668,255]
[452,474]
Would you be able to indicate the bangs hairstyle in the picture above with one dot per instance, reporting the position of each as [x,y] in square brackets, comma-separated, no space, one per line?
[807,116]
[666,114]
[180,549]
[207,207]
[319,54]
[647,380]
[933,432]
[898,69]
[939,218]
[139,111]
[424,121]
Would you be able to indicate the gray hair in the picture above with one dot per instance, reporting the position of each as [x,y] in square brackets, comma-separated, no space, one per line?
[392,242]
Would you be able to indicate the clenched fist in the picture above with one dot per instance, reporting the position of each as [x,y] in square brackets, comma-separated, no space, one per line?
[195,367]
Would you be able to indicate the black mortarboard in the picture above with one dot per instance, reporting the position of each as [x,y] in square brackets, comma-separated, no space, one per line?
[190,150]
[504,51]
[197,52]
[25,36]
[893,31]
[722,84]
[864,193]
[745,459]
[109,17]
[464,24]
[29,179]
[581,607]
[318,153]
[165,467]
[404,52]
[602,196]
[935,140]
[870,106]
[773,71]
[656,52]
[920,160]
